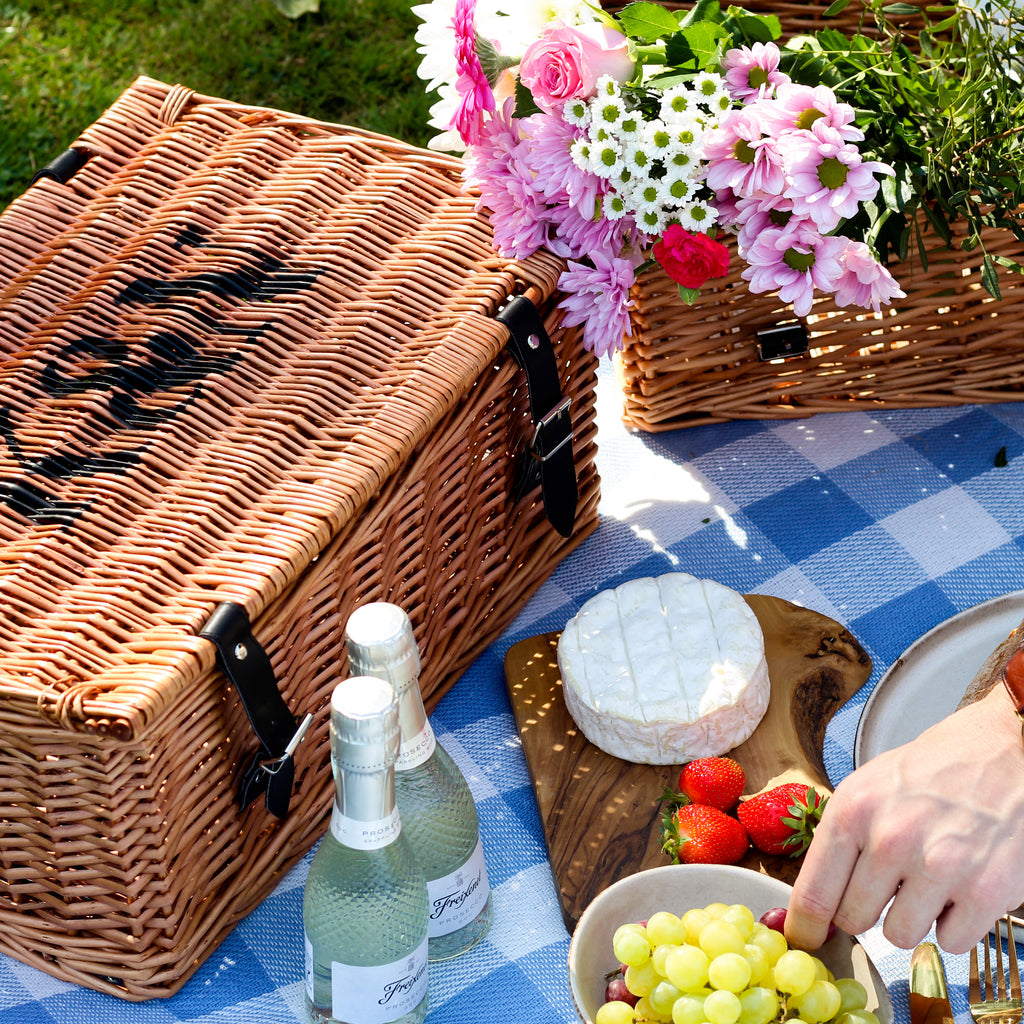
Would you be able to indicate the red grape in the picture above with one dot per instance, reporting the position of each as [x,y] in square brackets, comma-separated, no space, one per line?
[774,918]
[616,989]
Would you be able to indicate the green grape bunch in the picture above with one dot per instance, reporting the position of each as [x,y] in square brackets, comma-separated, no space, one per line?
[718,965]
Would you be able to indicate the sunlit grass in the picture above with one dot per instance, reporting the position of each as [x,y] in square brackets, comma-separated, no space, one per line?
[63,63]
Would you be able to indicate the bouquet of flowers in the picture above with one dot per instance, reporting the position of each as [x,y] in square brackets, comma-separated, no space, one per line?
[618,141]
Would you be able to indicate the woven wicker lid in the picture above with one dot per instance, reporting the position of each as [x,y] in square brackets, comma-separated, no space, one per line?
[217,341]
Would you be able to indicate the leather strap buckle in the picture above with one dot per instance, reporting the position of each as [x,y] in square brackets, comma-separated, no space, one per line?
[559,423]
[549,456]
[245,663]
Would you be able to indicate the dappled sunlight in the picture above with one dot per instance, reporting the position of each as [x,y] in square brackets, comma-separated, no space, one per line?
[733,530]
[651,478]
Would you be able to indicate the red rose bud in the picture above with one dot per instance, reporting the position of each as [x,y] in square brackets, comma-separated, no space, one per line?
[690,259]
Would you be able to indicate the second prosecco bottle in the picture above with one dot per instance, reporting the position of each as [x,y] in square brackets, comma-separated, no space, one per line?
[437,809]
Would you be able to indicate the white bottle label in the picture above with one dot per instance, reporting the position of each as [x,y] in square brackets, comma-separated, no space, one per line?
[365,835]
[458,898]
[378,995]
[417,750]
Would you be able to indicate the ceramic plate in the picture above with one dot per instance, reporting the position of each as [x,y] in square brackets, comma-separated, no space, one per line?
[928,679]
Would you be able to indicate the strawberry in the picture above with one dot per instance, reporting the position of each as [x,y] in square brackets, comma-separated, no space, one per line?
[782,819]
[699,834]
[716,781]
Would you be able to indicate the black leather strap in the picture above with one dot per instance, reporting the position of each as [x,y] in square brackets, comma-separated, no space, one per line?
[245,663]
[549,455]
[64,167]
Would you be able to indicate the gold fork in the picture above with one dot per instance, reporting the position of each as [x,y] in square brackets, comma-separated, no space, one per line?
[1000,1003]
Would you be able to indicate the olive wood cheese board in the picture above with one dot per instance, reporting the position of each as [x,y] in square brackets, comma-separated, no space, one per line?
[601,815]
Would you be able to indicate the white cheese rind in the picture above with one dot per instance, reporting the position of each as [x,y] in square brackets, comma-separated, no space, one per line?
[665,670]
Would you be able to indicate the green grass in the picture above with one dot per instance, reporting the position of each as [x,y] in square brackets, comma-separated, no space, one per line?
[63,63]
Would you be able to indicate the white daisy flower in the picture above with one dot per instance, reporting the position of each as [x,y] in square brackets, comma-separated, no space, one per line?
[614,206]
[676,101]
[606,110]
[676,189]
[658,138]
[651,219]
[697,216]
[709,89]
[637,159]
[683,160]
[646,193]
[580,151]
[577,112]
[632,123]
[606,159]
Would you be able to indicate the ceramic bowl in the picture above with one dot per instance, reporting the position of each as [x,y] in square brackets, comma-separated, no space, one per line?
[678,887]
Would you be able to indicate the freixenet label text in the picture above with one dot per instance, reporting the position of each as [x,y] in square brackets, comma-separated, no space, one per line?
[457,898]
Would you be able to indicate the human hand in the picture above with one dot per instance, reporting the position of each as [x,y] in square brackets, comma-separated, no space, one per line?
[936,826]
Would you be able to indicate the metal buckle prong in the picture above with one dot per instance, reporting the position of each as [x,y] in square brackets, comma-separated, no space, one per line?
[273,765]
[559,410]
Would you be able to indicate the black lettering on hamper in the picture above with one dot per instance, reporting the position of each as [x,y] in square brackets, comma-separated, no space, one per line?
[171,361]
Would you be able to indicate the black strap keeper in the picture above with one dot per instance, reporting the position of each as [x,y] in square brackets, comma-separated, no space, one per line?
[245,663]
[62,168]
[549,456]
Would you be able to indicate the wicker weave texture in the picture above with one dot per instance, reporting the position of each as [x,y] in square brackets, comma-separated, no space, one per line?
[947,343]
[243,357]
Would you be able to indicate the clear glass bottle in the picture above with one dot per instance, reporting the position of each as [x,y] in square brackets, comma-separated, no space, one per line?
[364,910]
[437,808]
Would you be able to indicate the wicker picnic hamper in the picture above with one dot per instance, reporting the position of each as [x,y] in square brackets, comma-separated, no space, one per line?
[254,372]
[739,355]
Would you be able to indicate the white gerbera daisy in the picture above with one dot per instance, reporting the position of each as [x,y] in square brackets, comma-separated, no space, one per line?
[435,40]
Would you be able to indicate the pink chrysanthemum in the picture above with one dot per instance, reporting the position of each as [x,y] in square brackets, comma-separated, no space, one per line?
[727,205]
[864,281]
[471,84]
[741,157]
[559,179]
[798,107]
[574,195]
[828,180]
[753,71]
[794,261]
[598,298]
[499,166]
[758,214]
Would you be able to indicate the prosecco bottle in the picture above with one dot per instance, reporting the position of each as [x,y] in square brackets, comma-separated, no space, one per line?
[364,909]
[436,805]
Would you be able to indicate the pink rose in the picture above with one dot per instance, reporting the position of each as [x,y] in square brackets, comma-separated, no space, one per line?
[690,259]
[566,62]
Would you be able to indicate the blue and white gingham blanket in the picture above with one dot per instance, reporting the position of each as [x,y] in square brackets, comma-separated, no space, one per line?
[888,521]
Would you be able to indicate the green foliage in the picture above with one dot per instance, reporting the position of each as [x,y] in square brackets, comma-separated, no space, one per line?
[63,62]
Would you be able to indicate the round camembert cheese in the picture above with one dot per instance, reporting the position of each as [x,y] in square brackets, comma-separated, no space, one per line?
[662,671]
